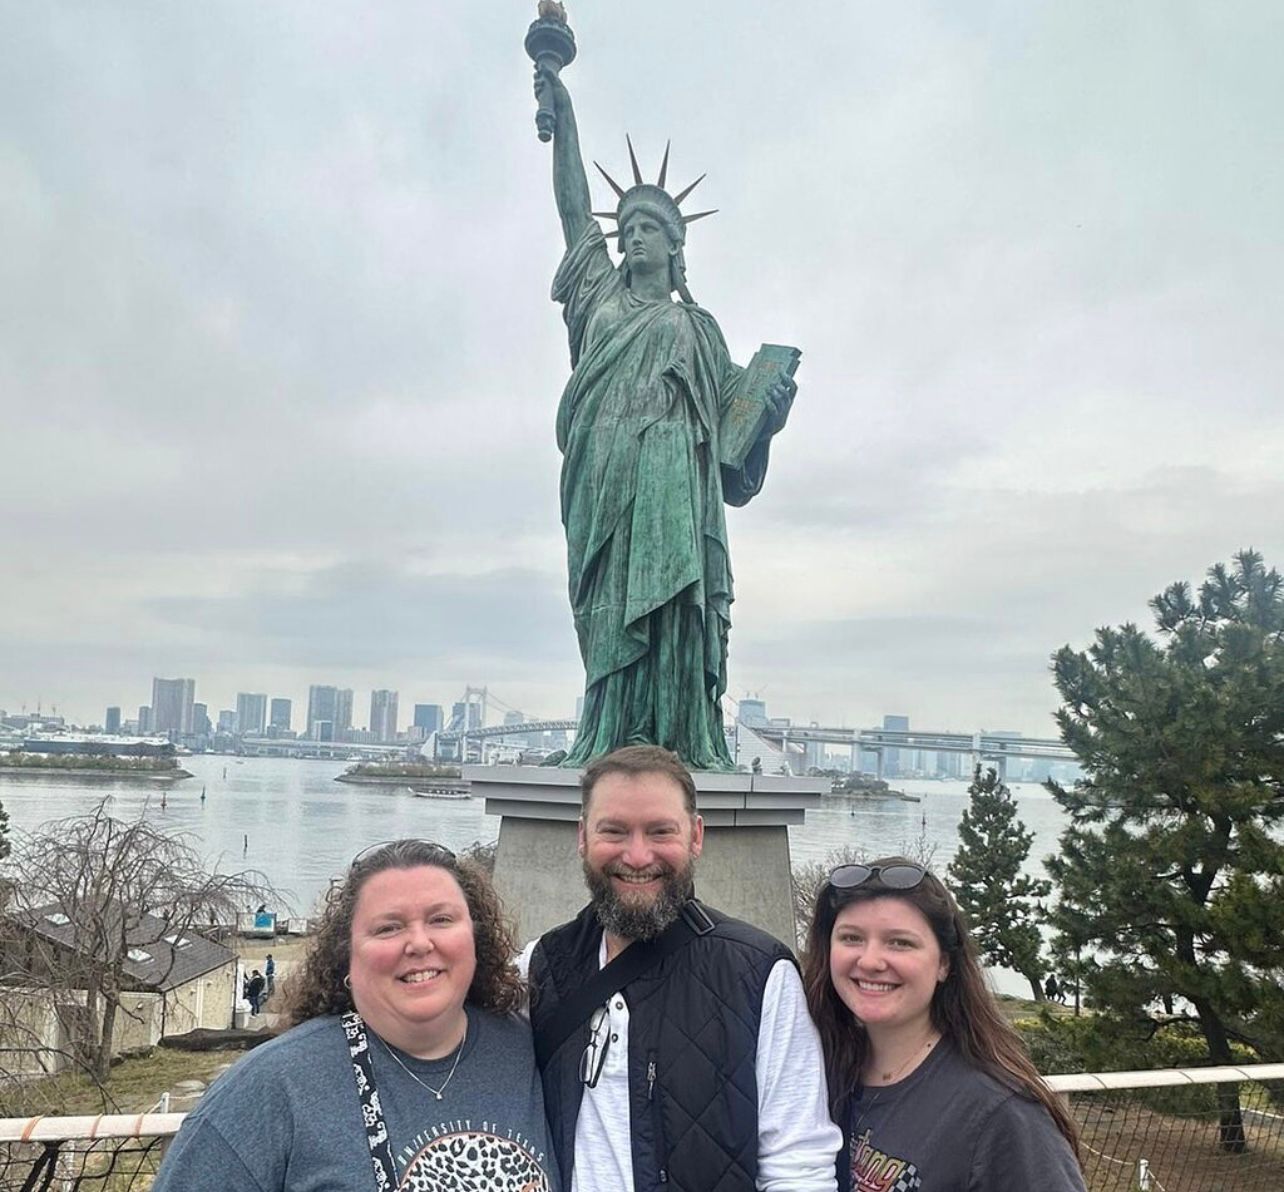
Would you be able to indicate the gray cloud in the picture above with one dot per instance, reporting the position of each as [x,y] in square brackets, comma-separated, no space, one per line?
[278,366]
[364,613]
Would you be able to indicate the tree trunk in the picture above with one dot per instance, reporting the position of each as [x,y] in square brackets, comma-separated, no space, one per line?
[86,1039]
[102,1061]
[1039,995]
[1230,1120]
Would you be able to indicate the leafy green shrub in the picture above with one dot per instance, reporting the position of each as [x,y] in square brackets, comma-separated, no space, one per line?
[1102,1043]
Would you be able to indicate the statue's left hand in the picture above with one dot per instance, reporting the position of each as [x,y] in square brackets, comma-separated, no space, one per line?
[780,397]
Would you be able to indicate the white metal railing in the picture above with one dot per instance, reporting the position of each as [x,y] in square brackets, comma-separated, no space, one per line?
[1092,1082]
[29,1142]
[1131,1157]
[104,1125]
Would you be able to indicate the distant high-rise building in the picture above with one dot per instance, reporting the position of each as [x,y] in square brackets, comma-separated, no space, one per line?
[227,721]
[320,706]
[430,718]
[172,701]
[892,757]
[332,705]
[144,720]
[251,714]
[465,714]
[950,765]
[280,715]
[383,715]
[753,712]
[814,752]
[200,720]
[112,724]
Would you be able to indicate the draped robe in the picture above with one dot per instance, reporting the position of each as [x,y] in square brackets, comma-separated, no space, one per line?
[642,503]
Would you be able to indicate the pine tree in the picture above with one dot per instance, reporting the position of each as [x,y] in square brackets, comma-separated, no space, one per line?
[1171,872]
[1000,901]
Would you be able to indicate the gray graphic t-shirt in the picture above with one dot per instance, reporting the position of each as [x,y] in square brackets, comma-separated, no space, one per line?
[287,1118]
[949,1128]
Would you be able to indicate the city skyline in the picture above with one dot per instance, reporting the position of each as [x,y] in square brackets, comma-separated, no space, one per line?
[751,706]
[281,360]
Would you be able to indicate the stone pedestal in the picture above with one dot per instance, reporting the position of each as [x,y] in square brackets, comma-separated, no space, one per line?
[744,869]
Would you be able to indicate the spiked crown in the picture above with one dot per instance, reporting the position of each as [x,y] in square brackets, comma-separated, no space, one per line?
[650,197]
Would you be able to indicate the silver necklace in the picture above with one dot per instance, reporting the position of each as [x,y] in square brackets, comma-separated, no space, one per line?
[435,1092]
[891,1078]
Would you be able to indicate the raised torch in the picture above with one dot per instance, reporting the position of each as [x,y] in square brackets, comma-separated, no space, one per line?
[551,45]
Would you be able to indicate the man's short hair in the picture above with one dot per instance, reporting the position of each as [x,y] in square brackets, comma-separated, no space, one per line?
[638,759]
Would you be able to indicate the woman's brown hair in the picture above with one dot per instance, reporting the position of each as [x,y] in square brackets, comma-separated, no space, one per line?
[318,988]
[963,1009]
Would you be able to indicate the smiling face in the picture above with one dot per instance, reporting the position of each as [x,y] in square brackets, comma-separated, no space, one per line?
[885,964]
[412,957]
[639,844]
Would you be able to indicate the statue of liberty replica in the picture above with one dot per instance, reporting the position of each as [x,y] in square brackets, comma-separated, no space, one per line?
[657,428]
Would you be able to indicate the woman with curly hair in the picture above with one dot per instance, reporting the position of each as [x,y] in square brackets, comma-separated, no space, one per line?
[928,1081]
[406,1065]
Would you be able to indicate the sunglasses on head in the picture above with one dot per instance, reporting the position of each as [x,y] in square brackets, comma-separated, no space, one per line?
[438,851]
[901,876]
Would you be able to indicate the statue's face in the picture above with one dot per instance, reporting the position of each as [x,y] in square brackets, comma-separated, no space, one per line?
[647,247]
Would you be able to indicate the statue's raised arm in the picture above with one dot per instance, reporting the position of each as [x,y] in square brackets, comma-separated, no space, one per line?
[551,45]
[570,184]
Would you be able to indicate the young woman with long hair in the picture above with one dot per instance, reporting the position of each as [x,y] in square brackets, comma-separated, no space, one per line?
[929,1082]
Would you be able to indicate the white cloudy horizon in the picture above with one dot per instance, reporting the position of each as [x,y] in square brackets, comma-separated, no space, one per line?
[278,365]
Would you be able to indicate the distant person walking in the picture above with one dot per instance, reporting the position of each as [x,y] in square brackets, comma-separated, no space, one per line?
[269,971]
[1051,990]
[254,991]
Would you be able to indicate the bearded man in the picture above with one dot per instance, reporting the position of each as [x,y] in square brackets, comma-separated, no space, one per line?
[673,1042]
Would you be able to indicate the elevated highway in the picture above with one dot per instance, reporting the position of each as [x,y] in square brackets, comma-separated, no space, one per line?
[993,748]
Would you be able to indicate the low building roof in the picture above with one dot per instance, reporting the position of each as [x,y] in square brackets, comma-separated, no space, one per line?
[159,957]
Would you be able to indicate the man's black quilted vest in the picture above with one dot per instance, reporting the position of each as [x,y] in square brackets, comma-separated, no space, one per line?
[693,1042]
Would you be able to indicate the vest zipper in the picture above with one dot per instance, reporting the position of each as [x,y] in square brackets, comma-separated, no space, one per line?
[657,1120]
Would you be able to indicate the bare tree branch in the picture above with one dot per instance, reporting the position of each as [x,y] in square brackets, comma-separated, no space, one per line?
[90,899]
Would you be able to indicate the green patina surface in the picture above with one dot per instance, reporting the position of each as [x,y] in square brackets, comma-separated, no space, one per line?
[642,488]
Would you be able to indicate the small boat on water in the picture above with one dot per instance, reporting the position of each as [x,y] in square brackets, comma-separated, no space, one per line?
[439,792]
[906,797]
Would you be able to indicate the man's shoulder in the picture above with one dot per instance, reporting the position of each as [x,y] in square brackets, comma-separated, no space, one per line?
[584,928]
[738,933]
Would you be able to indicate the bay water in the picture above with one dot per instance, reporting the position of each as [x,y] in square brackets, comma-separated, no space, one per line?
[291,820]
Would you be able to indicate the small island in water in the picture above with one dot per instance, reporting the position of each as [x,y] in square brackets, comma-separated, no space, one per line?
[20,763]
[396,773]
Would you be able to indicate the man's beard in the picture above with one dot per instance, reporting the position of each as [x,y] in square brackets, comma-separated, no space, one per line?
[638,921]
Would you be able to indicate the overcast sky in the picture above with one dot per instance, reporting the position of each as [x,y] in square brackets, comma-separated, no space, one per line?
[278,365]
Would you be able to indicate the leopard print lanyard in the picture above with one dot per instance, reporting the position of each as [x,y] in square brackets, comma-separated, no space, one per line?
[385,1168]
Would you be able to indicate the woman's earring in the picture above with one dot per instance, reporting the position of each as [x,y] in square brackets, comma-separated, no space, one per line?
[347,982]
